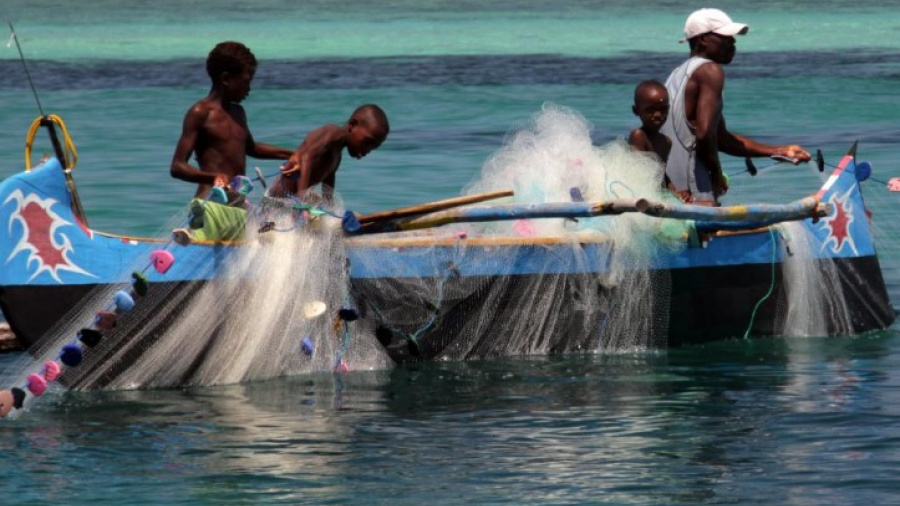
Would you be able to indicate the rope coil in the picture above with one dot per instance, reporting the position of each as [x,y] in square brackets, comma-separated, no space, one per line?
[69,153]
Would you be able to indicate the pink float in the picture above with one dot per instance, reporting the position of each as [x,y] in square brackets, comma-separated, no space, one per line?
[341,367]
[51,370]
[36,384]
[524,228]
[162,260]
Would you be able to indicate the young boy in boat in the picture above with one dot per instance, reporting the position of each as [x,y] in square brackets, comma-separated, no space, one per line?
[317,159]
[651,105]
[215,130]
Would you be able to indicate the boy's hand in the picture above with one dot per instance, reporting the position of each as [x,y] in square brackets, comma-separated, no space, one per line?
[290,167]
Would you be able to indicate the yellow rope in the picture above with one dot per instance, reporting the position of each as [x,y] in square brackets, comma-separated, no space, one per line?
[69,152]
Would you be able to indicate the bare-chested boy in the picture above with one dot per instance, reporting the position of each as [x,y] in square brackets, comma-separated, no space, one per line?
[651,105]
[318,157]
[215,130]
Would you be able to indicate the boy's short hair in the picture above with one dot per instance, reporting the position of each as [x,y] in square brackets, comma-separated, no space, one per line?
[648,84]
[232,57]
[373,116]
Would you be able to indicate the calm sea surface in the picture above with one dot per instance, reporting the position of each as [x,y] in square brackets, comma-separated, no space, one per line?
[802,421]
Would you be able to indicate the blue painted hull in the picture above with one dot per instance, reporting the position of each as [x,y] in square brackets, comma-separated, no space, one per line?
[52,262]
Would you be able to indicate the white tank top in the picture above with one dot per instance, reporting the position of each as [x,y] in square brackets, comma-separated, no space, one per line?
[682,167]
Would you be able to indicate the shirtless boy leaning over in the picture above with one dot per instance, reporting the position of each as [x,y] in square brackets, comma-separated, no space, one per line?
[317,159]
[215,128]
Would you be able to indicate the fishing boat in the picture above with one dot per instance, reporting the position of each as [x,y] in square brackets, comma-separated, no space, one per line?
[427,284]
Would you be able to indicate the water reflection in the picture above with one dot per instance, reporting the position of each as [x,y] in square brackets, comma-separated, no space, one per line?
[688,425]
[745,421]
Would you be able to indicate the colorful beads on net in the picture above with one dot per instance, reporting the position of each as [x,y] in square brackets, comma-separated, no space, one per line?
[72,353]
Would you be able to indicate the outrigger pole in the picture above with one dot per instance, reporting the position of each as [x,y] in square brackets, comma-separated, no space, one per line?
[49,122]
[728,218]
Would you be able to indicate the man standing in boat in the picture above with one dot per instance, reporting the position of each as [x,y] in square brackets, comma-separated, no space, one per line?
[696,124]
[215,128]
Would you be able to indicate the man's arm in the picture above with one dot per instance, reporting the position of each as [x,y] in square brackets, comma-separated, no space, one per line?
[180,168]
[738,145]
[708,124]
[266,151]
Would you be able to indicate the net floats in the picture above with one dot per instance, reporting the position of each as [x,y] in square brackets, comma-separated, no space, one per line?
[72,353]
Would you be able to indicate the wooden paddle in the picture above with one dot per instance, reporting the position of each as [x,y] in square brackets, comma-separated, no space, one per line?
[431,207]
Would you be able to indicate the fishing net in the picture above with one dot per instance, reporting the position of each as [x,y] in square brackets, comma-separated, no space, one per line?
[286,300]
[816,295]
[597,284]
[530,286]
[265,309]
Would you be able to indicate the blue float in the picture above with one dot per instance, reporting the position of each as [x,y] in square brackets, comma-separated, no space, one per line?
[307,346]
[217,194]
[863,171]
[350,223]
[71,355]
[124,302]
[575,194]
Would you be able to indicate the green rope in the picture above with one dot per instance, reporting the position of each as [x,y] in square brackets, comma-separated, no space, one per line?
[771,285]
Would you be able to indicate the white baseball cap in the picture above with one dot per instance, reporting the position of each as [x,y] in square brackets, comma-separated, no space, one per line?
[711,21]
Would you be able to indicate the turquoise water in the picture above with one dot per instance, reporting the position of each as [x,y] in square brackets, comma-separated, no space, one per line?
[772,422]
[777,421]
